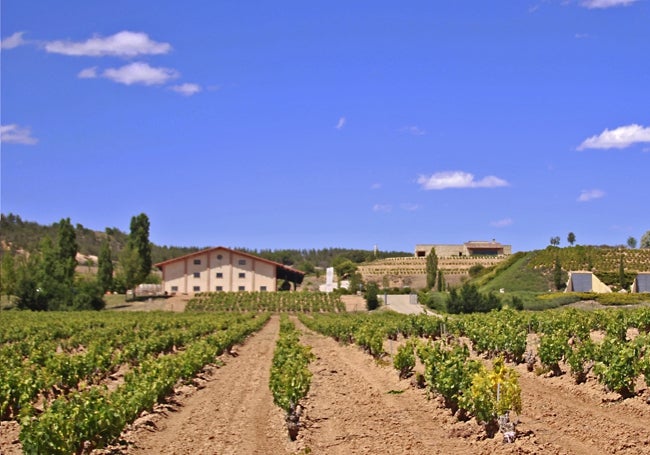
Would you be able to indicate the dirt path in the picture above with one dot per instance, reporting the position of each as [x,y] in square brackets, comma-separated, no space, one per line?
[352,408]
[576,417]
[233,414]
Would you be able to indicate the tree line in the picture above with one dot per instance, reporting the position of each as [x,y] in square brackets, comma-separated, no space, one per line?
[45,279]
[18,235]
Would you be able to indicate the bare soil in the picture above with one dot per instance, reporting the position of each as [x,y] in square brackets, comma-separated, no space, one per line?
[357,405]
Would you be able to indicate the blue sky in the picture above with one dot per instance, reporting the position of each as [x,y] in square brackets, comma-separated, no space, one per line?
[330,124]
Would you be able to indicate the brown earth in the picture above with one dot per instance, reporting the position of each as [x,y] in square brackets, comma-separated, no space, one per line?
[357,405]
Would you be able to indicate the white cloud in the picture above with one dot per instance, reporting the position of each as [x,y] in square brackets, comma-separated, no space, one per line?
[140,73]
[619,138]
[382,208]
[14,134]
[588,195]
[375,186]
[602,4]
[122,44]
[340,124]
[410,207]
[414,130]
[458,179]
[13,41]
[502,223]
[186,89]
[88,73]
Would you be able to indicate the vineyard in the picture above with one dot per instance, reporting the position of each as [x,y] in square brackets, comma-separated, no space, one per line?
[453,384]
[303,302]
[59,375]
[594,258]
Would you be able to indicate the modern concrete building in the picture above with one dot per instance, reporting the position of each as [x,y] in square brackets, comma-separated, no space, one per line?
[471,248]
[641,282]
[585,282]
[224,269]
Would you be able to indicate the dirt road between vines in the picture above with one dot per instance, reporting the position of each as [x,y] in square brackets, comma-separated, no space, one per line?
[233,414]
[358,406]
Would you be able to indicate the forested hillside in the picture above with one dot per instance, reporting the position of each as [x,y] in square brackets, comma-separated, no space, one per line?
[17,234]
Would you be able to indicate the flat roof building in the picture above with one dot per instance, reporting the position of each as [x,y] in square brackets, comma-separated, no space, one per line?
[471,248]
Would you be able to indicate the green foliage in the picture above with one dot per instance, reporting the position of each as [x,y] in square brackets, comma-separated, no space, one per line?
[476,270]
[88,295]
[66,250]
[593,258]
[372,300]
[441,281]
[571,238]
[513,274]
[558,276]
[645,240]
[105,268]
[344,267]
[290,376]
[435,300]
[631,242]
[449,372]
[297,302]
[404,360]
[432,268]
[469,300]
[7,274]
[618,367]
[552,348]
[44,359]
[137,254]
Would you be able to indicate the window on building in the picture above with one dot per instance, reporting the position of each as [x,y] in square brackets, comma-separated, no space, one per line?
[242,262]
[242,275]
[197,274]
[263,288]
[197,261]
[219,257]
[196,288]
[242,288]
[219,275]
[174,288]
[219,288]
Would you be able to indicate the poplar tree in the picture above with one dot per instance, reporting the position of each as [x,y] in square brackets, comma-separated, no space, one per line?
[66,251]
[105,267]
[136,257]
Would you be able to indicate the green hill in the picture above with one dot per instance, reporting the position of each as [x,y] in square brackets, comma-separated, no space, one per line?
[532,272]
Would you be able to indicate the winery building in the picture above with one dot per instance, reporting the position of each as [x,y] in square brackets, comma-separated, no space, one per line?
[471,248]
[224,269]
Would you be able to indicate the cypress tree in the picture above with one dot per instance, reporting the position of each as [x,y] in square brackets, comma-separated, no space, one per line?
[432,268]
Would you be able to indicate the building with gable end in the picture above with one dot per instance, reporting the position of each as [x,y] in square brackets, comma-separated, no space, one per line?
[224,269]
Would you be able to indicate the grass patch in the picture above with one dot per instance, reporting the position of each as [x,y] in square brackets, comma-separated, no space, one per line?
[515,274]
